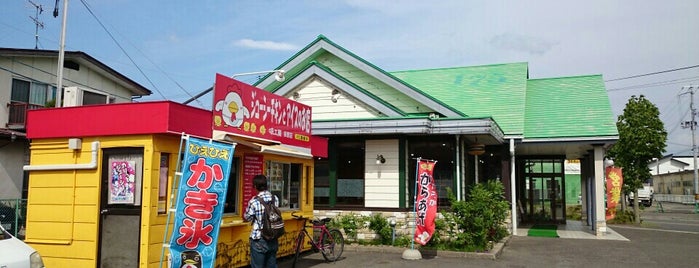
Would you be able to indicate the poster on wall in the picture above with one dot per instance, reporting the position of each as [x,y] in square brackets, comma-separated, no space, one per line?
[425,202]
[122,183]
[199,205]
[252,165]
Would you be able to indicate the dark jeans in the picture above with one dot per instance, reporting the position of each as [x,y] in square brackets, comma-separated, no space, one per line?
[263,253]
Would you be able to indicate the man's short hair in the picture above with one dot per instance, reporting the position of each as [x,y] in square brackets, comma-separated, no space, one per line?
[260,182]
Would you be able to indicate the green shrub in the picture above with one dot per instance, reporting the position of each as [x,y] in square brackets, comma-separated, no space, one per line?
[474,224]
[349,223]
[380,226]
[574,212]
[477,222]
[623,217]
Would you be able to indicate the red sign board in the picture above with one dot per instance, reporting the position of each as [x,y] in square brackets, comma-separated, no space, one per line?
[242,109]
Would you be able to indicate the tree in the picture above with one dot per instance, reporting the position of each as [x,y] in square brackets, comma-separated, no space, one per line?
[642,137]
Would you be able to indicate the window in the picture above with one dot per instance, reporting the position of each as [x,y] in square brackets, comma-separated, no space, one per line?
[285,182]
[232,193]
[163,182]
[350,173]
[90,97]
[32,93]
[440,148]
[321,187]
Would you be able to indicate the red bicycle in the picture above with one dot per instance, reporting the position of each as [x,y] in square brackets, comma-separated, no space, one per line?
[329,242]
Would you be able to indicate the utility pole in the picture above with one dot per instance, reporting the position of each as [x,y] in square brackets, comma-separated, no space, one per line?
[61,53]
[37,23]
[693,125]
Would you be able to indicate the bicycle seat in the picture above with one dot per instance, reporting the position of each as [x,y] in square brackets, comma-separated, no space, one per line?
[321,221]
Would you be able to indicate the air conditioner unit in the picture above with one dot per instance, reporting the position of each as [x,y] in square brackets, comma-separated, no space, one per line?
[77,96]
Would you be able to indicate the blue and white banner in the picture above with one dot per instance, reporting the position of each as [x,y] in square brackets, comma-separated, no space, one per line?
[200,198]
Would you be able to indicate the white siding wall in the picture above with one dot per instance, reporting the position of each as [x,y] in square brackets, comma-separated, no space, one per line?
[317,93]
[381,181]
[373,85]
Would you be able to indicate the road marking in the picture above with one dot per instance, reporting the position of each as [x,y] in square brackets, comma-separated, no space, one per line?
[650,229]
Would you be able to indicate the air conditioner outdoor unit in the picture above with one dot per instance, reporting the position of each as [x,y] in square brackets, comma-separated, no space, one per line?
[77,96]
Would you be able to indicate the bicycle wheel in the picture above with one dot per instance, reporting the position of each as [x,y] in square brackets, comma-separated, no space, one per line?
[333,244]
[299,248]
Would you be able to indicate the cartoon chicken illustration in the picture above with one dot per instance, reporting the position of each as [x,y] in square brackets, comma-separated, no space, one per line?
[191,259]
[232,110]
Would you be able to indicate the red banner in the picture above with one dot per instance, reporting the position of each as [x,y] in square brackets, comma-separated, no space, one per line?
[243,109]
[614,182]
[425,202]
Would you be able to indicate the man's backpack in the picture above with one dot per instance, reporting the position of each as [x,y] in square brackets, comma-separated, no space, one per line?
[272,222]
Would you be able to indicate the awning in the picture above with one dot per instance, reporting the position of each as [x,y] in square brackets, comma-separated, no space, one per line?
[319,146]
[264,146]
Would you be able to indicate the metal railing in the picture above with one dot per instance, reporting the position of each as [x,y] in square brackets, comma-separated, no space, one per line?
[18,113]
[674,198]
[13,215]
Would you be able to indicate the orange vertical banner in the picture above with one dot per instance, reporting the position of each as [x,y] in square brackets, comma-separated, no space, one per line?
[425,202]
[614,180]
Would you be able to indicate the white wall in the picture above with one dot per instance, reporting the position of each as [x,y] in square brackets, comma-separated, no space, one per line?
[316,93]
[381,180]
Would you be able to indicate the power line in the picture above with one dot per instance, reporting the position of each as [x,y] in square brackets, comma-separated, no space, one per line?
[661,83]
[653,73]
[121,48]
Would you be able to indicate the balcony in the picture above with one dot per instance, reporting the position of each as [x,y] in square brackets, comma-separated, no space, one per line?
[18,114]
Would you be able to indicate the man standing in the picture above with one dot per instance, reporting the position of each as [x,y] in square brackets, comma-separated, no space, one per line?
[263,253]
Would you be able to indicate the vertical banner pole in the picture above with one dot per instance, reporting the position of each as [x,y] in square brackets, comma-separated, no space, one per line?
[417,167]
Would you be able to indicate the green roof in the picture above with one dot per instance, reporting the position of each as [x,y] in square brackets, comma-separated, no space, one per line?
[568,107]
[495,91]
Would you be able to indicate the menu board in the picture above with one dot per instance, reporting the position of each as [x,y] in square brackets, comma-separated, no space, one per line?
[252,166]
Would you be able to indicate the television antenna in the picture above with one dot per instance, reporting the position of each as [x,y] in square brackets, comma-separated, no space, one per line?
[37,23]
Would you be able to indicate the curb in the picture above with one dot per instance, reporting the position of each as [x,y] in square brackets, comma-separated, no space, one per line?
[493,254]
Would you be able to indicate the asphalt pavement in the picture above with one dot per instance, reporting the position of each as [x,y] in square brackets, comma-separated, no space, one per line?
[650,245]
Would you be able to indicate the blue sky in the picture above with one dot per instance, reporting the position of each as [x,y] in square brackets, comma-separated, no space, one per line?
[179,46]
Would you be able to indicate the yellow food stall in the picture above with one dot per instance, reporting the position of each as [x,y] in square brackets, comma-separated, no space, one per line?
[102,178]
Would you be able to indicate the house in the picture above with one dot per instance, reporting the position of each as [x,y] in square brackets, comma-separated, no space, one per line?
[28,81]
[673,179]
[489,122]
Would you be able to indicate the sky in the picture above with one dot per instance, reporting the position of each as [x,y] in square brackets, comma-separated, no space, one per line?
[175,48]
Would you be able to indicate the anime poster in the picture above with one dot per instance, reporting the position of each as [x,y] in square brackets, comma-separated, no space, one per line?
[122,183]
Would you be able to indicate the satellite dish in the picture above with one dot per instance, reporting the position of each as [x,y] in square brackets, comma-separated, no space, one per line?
[279,75]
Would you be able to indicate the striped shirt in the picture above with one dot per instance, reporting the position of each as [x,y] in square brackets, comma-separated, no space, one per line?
[255,211]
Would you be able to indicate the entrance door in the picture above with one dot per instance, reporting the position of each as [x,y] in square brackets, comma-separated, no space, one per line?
[546,199]
[120,212]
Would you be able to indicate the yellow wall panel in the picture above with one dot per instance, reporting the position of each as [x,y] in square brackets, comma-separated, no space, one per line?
[66,262]
[76,249]
[90,180]
[85,232]
[50,213]
[48,179]
[49,230]
[58,196]
[86,213]
[87,196]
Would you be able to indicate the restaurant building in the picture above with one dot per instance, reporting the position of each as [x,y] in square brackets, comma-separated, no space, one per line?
[488,122]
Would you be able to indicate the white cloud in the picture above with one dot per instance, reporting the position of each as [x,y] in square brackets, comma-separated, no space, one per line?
[522,43]
[266,45]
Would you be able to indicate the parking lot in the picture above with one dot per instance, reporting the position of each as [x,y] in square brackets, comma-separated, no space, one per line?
[665,239]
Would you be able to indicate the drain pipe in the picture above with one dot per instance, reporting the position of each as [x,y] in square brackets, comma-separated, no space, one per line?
[513,186]
[91,165]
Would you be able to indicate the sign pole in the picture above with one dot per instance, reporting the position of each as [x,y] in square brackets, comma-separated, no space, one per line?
[412,253]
